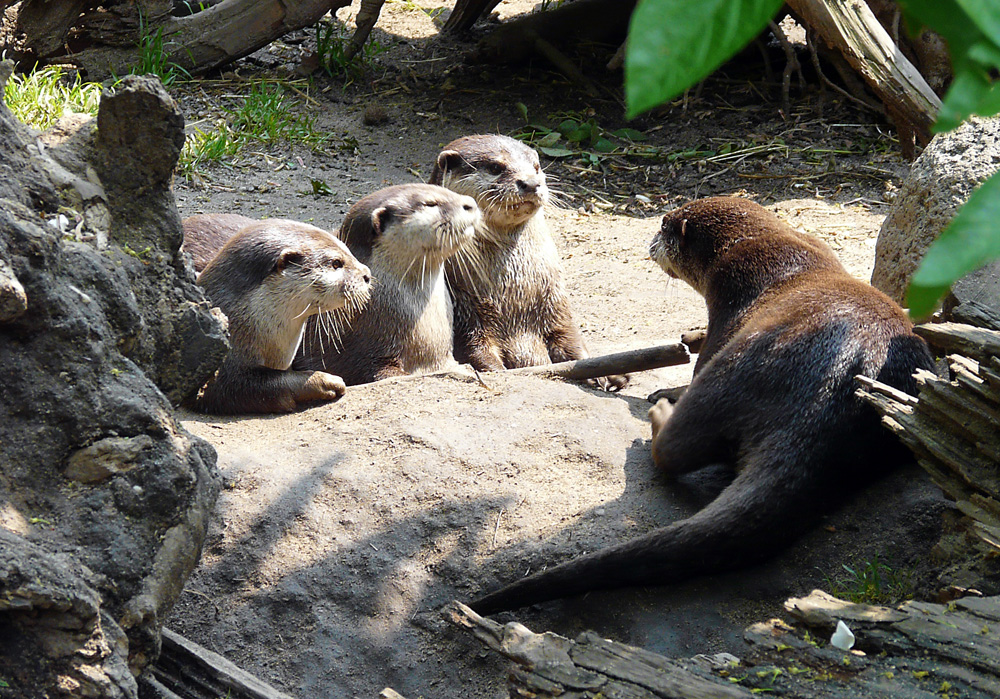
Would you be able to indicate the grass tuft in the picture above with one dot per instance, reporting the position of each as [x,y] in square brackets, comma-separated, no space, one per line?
[871,582]
[43,96]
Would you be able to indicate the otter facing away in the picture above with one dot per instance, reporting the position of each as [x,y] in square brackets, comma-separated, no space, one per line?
[773,396]
[511,309]
[269,277]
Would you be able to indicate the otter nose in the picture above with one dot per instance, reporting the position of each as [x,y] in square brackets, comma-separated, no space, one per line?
[469,204]
[366,274]
[526,186]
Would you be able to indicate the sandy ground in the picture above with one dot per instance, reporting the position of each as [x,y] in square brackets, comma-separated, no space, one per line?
[343,528]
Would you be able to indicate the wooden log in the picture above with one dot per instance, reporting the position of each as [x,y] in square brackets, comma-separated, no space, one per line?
[184,663]
[204,40]
[850,27]
[978,343]
[618,363]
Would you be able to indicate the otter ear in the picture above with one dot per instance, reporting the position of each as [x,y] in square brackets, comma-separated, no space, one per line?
[288,256]
[447,160]
[380,219]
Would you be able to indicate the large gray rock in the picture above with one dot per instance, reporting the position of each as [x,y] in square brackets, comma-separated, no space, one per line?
[104,497]
[940,182]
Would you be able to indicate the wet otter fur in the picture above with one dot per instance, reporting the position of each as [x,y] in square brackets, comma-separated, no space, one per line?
[404,233]
[773,395]
[511,309]
[269,277]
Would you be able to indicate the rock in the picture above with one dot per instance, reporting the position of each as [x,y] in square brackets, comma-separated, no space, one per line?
[97,478]
[939,183]
[106,457]
[975,298]
[54,627]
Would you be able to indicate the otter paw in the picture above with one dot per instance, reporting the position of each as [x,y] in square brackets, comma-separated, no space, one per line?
[671,394]
[611,384]
[659,414]
[321,386]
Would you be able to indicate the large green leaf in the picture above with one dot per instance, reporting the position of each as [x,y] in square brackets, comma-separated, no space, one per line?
[672,44]
[970,241]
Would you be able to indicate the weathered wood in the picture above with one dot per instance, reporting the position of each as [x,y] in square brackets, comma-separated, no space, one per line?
[183,664]
[978,343]
[919,650]
[618,363]
[850,27]
[953,427]
[823,610]
[551,665]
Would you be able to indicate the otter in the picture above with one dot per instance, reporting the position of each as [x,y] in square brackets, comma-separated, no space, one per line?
[269,277]
[773,396]
[511,309]
[404,233]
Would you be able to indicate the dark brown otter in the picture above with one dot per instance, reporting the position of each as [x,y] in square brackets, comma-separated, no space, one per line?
[773,395]
[269,277]
[404,233]
[511,309]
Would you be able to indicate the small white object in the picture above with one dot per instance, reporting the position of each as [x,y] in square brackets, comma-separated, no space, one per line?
[643,198]
[842,638]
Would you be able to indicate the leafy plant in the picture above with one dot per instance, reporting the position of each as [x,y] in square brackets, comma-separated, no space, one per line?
[675,43]
[576,134]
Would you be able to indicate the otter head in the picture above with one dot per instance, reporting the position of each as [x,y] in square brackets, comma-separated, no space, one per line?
[502,174]
[272,275]
[692,237]
[410,229]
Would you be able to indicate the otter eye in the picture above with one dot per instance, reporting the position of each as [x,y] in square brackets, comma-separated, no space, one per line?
[494,168]
[337,264]
[538,168]
[432,204]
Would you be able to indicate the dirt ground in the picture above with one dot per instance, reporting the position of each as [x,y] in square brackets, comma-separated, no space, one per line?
[343,528]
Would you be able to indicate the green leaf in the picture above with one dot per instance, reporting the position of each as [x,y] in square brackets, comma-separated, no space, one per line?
[672,44]
[556,152]
[522,109]
[971,240]
[986,16]
[580,134]
[568,126]
[549,139]
[603,145]
[947,18]
[630,134]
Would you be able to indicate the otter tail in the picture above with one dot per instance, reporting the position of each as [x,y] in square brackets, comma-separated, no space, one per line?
[759,513]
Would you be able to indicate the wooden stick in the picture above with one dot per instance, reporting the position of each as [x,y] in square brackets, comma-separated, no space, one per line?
[188,654]
[617,363]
